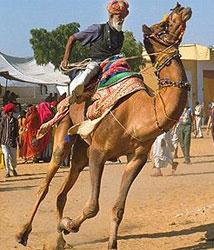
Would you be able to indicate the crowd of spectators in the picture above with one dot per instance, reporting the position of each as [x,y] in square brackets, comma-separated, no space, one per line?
[18,128]
[165,147]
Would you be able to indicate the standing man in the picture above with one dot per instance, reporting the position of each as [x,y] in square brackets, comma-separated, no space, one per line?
[185,128]
[105,40]
[198,120]
[210,124]
[8,137]
[162,151]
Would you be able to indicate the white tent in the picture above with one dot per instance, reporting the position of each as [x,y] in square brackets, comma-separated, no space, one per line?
[26,70]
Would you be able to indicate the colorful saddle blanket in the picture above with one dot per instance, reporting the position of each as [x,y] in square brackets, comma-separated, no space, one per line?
[116,82]
[108,97]
[113,70]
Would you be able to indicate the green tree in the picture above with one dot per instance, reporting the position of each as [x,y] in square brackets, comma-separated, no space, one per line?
[131,47]
[50,46]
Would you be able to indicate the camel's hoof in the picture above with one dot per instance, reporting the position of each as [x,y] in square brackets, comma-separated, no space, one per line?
[67,226]
[22,237]
[112,245]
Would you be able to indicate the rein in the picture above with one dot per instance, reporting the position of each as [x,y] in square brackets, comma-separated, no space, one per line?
[74,66]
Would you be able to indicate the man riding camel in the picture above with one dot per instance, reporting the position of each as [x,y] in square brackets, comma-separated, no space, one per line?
[105,40]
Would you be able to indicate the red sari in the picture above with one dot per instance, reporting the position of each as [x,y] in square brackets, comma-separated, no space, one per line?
[31,147]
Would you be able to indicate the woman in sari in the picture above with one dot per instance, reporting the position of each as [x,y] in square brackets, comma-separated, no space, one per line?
[46,112]
[32,147]
[21,122]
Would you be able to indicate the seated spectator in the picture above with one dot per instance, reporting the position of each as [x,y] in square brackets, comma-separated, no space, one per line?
[6,97]
[13,97]
[49,98]
[55,97]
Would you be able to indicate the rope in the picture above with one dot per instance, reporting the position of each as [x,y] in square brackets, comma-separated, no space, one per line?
[121,125]
[74,66]
[156,117]
[164,108]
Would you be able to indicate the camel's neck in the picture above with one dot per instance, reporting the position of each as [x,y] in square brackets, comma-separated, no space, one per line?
[174,71]
[174,98]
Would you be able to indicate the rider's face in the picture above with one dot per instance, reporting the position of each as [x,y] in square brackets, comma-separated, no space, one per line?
[117,22]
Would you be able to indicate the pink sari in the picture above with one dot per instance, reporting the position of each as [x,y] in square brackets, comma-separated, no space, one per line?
[45,114]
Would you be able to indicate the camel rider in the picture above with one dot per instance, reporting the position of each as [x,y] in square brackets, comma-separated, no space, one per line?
[105,40]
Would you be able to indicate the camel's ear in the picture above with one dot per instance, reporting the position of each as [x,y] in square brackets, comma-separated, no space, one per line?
[178,5]
[146,30]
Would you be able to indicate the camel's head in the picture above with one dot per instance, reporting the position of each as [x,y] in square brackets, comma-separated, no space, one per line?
[169,31]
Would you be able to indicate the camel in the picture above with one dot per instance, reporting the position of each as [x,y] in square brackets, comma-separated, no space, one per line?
[134,122]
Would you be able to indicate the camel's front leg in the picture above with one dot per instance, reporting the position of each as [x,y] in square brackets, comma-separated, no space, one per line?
[96,164]
[60,150]
[79,161]
[130,173]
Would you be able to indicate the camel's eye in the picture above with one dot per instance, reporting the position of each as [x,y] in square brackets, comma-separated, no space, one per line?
[165,26]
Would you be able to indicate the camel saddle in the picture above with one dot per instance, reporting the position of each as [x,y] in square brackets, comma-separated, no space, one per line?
[115,81]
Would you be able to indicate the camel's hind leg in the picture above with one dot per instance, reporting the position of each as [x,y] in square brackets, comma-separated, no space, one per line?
[130,173]
[60,150]
[96,164]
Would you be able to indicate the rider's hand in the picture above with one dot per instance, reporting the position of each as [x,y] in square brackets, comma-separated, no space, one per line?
[64,64]
[63,105]
[61,108]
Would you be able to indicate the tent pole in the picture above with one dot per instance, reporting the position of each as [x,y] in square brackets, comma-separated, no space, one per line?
[6,86]
[69,89]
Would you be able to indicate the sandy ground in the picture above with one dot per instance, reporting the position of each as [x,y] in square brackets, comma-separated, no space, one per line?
[169,212]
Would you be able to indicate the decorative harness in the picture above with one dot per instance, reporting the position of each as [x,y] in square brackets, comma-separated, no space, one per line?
[167,55]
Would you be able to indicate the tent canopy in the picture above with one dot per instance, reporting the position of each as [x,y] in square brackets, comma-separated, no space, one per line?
[26,70]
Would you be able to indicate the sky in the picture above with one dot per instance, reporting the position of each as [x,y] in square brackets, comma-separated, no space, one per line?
[18,17]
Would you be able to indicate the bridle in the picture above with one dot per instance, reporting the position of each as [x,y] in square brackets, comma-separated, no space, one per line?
[166,56]
[171,49]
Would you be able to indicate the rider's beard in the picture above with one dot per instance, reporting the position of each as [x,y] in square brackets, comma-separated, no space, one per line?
[117,25]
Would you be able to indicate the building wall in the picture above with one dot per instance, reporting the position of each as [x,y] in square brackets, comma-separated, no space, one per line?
[191,67]
[208,88]
[202,73]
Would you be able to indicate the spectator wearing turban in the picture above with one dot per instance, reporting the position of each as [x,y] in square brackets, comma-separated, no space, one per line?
[8,138]
[10,107]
